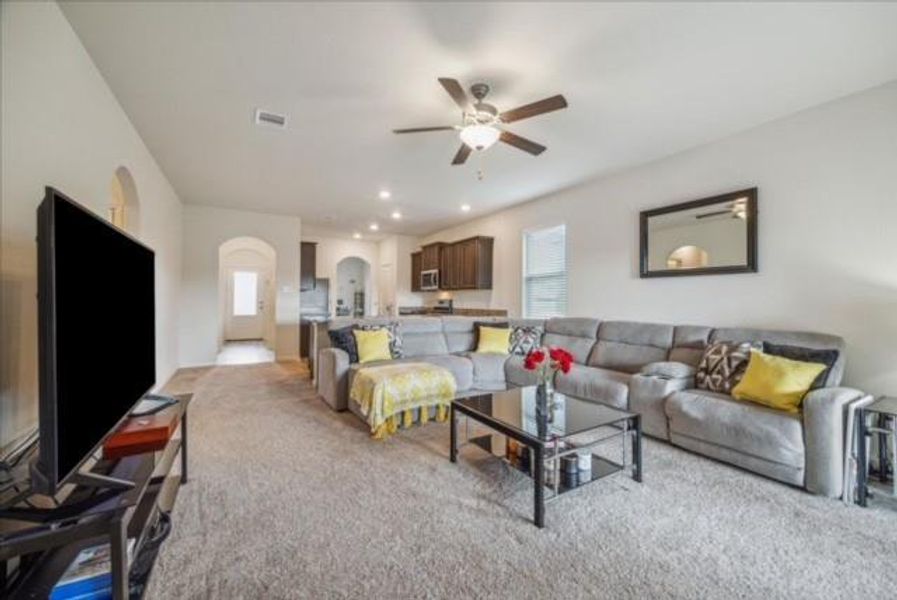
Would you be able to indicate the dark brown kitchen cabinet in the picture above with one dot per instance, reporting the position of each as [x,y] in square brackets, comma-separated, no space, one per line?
[430,256]
[448,271]
[415,271]
[307,258]
[466,264]
[473,263]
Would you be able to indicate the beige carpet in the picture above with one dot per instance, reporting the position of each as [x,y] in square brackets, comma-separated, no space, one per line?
[288,499]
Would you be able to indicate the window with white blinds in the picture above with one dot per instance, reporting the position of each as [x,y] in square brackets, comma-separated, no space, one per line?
[545,273]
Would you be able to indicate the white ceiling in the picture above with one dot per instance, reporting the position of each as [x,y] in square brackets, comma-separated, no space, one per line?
[642,81]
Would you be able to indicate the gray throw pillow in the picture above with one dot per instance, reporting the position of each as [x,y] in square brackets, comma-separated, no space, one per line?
[668,370]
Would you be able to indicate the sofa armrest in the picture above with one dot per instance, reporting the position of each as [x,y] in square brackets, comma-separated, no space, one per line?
[825,418]
[647,396]
[333,369]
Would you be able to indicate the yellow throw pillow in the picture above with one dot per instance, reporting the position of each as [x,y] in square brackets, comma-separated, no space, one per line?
[372,345]
[776,382]
[494,340]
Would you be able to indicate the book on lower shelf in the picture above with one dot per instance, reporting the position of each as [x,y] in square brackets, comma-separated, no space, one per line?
[89,577]
[137,435]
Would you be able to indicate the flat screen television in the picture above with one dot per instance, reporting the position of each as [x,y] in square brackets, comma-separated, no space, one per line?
[96,325]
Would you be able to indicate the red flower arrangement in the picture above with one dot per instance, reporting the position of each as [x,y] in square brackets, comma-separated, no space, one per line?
[548,361]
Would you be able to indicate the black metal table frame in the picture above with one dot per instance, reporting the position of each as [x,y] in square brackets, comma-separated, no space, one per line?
[864,431]
[114,524]
[538,449]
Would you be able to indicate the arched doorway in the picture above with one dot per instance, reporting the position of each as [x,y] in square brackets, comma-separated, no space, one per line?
[247,301]
[353,287]
[124,205]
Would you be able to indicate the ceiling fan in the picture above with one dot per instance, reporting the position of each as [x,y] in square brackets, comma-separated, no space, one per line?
[481,123]
[736,210]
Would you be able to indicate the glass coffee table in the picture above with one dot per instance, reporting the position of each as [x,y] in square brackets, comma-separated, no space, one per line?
[542,441]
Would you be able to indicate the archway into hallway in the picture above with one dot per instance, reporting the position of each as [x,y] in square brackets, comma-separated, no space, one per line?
[353,287]
[124,204]
[246,301]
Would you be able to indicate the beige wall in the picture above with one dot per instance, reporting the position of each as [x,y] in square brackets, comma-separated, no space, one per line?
[205,229]
[827,234]
[62,126]
[395,271]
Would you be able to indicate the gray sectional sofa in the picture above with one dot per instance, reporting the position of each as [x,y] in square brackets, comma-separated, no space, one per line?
[805,449]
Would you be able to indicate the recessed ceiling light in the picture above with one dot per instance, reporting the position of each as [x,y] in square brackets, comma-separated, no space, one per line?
[385,195]
[396,215]
[373,227]
[465,208]
[356,236]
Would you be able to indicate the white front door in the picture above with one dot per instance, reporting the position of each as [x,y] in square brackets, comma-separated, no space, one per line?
[245,304]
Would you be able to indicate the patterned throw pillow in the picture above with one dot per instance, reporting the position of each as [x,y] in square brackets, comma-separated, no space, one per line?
[345,340]
[723,365]
[395,340]
[525,338]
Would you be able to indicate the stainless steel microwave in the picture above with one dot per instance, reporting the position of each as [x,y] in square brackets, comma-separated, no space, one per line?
[429,280]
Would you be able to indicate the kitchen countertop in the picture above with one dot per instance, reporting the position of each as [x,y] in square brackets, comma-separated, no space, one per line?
[456,311]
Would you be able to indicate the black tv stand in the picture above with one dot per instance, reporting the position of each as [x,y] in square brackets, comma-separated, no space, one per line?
[116,501]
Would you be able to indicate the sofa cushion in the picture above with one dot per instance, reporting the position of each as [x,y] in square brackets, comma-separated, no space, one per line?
[628,346]
[593,383]
[576,335]
[422,336]
[516,374]
[460,366]
[488,370]
[743,427]
[689,342]
[459,334]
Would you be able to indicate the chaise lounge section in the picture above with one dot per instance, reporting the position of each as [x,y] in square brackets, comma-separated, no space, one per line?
[646,368]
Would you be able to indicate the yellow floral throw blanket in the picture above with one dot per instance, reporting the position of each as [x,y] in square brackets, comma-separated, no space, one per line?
[389,394]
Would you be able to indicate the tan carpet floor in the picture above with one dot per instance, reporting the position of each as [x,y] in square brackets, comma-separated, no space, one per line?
[288,499]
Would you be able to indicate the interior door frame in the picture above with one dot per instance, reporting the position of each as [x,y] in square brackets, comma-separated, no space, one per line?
[263,303]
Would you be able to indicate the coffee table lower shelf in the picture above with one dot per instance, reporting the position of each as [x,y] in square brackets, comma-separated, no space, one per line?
[601,467]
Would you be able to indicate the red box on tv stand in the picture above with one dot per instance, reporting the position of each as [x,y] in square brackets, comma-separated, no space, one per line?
[141,434]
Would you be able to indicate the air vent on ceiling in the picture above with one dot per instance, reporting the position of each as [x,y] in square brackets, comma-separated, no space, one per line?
[264,117]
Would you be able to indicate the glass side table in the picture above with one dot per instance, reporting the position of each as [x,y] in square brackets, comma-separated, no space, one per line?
[883,412]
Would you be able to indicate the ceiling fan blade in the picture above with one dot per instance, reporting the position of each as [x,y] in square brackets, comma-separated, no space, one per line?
[536,108]
[463,152]
[522,143]
[455,90]
[422,129]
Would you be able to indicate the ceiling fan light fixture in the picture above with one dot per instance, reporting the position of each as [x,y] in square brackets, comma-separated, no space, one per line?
[479,137]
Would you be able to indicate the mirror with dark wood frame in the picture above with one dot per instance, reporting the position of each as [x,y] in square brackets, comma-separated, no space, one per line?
[709,236]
